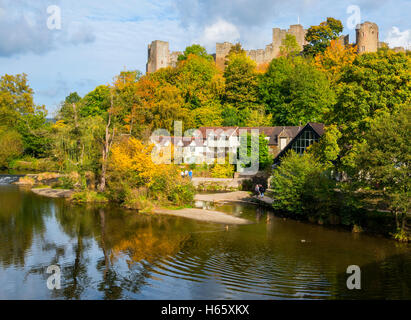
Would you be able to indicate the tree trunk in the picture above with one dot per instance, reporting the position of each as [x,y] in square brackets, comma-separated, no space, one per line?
[108,141]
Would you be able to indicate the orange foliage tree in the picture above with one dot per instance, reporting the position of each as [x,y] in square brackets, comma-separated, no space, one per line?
[334,59]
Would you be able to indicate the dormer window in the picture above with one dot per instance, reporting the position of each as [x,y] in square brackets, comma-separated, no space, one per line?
[283,142]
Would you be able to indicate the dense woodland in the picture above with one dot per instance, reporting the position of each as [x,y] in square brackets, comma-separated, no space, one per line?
[364,101]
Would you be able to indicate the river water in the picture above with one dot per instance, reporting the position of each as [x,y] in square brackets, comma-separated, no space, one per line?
[105,252]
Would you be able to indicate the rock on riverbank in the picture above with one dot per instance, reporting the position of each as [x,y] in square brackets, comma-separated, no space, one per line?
[53,193]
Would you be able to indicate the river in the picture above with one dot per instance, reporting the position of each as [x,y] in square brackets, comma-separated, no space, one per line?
[106,252]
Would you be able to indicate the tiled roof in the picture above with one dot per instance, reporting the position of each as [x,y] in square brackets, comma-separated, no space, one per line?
[272,132]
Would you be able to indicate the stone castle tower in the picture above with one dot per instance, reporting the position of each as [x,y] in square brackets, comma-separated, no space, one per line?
[367,35]
[159,56]
[367,40]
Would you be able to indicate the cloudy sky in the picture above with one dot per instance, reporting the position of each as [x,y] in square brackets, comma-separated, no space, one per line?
[99,38]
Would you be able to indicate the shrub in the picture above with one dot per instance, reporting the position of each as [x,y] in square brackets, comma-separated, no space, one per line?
[301,185]
[134,179]
[11,146]
[225,170]
[88,196]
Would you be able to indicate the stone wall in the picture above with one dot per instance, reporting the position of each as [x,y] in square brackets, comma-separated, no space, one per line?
[367,40]
[222,183]
[221,53]
[159,56]
[367,35]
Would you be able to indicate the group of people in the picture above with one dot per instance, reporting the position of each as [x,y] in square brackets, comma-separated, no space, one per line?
[187,173]
[259,190]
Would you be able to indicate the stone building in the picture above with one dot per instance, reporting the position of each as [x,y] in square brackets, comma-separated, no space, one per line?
[367,40]
[367,35]
[159,56]
[271,51]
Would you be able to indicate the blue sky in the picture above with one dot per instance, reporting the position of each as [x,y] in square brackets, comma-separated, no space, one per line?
[99,38]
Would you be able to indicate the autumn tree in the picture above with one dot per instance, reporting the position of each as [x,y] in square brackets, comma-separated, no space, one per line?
[319,37]
[334,59]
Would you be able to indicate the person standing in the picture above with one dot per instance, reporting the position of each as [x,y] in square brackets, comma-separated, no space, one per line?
[262,190]
[257,190]
[186,173]
[190,174]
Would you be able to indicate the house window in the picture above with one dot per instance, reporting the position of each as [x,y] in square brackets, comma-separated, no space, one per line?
[306,139]
[283,142]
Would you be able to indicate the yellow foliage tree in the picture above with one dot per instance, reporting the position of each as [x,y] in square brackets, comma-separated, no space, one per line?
[132,158]
[334,58]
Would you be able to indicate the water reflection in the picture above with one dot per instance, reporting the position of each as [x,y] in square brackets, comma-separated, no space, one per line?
[109,253]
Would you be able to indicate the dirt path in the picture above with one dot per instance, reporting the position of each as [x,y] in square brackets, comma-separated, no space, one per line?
[204,215]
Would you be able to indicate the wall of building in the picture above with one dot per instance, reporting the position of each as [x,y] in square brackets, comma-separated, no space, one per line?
[159,56]
[367,35]
[367,40]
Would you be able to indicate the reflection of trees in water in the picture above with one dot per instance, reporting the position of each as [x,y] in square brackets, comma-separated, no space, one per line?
[80,225]
[21,218]
[265,257]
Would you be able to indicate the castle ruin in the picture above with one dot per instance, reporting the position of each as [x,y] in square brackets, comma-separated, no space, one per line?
[367,40]
[159,56]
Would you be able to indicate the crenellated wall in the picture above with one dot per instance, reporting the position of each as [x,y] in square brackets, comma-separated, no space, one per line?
[367,40]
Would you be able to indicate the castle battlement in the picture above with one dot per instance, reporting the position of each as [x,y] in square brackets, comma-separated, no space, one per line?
[367,40]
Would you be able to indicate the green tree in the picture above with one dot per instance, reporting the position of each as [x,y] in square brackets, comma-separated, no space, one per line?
[289,46]
[198,80]
[16,99]
[35,132]
[302,185]
[375,83]
[235,49]
[383,161]
[66,107]
[11,146]
[319,37]
[296,92]
[197,50]
[258,118]
[241,84]
[96,102]
[327,149]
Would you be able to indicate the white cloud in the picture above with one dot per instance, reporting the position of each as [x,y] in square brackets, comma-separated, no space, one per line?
[23,30]
[397,38]
[220,31]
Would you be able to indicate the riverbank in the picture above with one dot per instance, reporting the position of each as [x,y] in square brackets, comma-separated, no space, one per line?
[236,196]
[53,193]
[204,215]
[190,213]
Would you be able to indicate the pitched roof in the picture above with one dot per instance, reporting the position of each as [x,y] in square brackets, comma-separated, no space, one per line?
[318,128]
